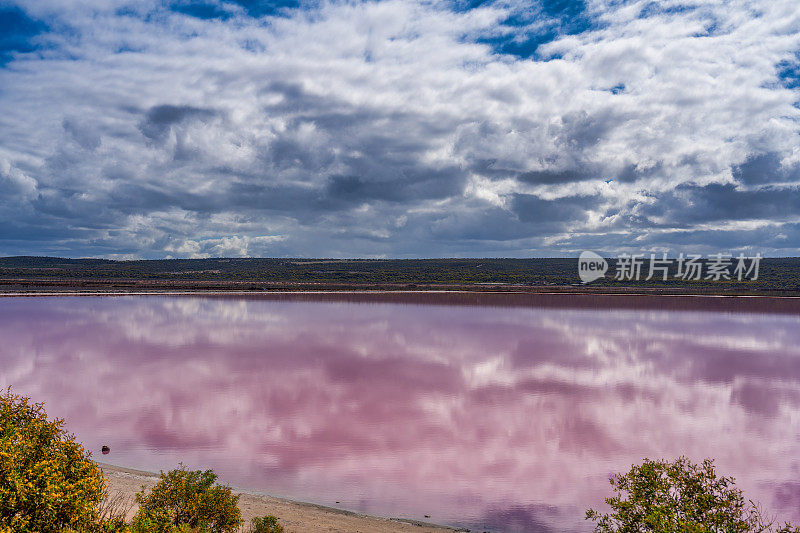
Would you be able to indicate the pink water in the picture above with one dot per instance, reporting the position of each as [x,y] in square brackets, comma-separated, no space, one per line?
[503,418]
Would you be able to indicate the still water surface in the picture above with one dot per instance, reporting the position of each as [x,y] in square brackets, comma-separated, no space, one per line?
[507,418]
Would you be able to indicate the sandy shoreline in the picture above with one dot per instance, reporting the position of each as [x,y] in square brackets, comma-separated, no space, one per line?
[294,516]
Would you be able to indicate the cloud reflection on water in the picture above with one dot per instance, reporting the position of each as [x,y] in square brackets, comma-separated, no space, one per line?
[493,417]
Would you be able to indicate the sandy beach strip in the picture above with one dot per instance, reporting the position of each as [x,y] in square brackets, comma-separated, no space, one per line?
[295,517]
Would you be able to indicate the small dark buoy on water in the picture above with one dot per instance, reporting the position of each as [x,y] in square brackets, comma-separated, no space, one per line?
[105,449]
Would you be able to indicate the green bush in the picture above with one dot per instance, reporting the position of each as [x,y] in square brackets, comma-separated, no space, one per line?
[189,499]
[48,482]
[147,526]
[679,497]
[266,524]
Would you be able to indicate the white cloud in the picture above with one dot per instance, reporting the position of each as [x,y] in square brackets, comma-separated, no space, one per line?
[291,125]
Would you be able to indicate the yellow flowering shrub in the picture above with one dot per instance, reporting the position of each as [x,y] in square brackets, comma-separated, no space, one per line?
[189,499]
[48,482]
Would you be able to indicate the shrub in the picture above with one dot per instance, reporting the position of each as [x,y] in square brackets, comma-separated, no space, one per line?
[48,482]
[188,498]
[150,527]
[267,524]
[679,497]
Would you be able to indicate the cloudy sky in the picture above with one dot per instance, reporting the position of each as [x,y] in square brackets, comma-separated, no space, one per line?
[415,128]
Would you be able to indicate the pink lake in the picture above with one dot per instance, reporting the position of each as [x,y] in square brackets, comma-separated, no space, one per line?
[494,413]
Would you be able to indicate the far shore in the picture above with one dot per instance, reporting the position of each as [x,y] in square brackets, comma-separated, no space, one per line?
[294,516]
[584,297]
[120,286]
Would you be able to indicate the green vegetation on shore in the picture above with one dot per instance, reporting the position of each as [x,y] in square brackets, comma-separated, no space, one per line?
[680,497]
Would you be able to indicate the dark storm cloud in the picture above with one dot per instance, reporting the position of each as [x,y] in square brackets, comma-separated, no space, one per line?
[631,173]
[689,204]
[31,232]
[476,225]
[289,198]
[374,164]
[551,177]
[141,197]
[580,131]
[411,184]
[627,174]
[285,152]
[537,210]
[765,168]
[83,134]
[159,119]
[716,240]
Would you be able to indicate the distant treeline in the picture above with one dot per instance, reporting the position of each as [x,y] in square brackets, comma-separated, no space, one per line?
[775,274]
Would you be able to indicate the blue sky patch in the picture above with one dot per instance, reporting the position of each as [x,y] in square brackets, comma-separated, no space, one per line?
[789,73]
[200,10]
[460,6]
[17,30]
[527,28]
[215,10]
[260,8]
